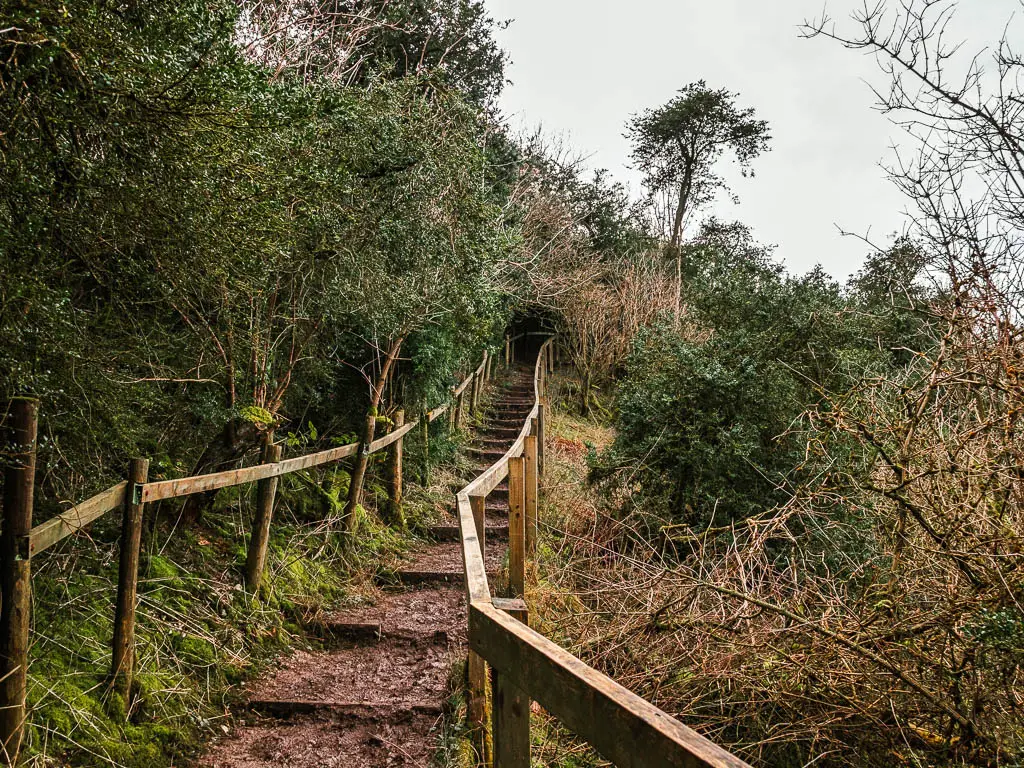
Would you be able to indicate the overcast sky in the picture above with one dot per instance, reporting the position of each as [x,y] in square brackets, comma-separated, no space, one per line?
[582,67]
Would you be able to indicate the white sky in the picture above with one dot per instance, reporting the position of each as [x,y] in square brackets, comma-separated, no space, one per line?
[580,68]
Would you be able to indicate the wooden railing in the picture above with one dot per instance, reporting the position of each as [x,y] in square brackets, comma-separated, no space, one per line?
[524,665]
[20,542]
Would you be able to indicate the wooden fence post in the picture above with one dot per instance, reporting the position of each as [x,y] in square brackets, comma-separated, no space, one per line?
[425,438]
[476,671]
[123,656]
[479,506]
[458,409]
[396,514]
[508,357]
[15,573]
[541,408]
[473,393]
[266,489]
[510,723]
[530,493]
[516,527]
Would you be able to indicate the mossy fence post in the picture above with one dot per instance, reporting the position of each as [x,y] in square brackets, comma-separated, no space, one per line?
[425,445]
[458,409]
[396,514]
[122,659]
[266,490]
[15,573]
[472,397]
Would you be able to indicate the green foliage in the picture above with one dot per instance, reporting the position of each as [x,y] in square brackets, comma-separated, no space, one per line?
[703,421]
[451,37]
[709,412]
[193,247]
[677,145]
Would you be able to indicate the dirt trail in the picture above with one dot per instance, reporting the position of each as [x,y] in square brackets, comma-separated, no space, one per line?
[374,700]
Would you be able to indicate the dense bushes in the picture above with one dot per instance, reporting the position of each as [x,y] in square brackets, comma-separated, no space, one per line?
[189,238]
[206,234]
[708,408]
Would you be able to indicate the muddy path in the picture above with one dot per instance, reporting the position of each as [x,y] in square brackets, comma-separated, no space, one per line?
[375,698]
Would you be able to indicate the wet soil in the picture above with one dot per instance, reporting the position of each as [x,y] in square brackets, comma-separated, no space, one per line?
[375,698]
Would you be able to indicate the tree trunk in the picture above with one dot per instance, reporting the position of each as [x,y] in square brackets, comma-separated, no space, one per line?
[677,236]
[677,226]
[221,453]
[355,491]
[585,392]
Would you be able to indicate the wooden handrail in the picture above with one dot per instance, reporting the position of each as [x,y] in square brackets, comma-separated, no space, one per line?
[45,535]
[472,555]
[69,522]
[623,727]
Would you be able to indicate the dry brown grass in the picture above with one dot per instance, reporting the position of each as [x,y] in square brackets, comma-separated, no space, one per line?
[874,620]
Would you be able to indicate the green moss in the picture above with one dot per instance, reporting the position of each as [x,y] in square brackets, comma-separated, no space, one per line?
[195,651]
[198,634]
[161,568]
[257,415]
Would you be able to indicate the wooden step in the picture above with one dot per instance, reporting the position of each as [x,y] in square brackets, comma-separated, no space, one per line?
[283,708]
[492,454]
[441,563]
[371,632]
[497,529]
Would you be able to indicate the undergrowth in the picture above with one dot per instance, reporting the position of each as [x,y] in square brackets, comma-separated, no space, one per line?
[568,510]
[199,634]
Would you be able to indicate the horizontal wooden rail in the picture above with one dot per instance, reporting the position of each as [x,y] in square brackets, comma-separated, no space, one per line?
[318,459]
[383,442]
[624,728]
[472,556]
[186,486]
[46,534]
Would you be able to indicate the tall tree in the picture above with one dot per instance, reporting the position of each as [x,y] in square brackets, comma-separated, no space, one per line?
[677,145]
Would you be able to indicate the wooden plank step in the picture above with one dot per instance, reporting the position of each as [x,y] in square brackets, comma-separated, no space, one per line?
[497,529]
[492,442]
[442,564]
[372,632]
[489,453]
[413,578]
[504,434]
[289,707]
